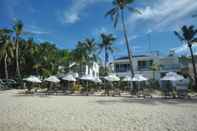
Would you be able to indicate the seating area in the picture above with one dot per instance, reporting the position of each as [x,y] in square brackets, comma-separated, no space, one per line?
[171,86]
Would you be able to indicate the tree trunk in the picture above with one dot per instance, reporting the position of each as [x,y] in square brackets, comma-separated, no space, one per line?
[17,59]
[193,63]
[127,43]
[106,61]
[80,68]
[153,74]
[6,66]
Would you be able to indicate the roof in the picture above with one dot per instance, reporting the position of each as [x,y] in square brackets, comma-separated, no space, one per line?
[126,57]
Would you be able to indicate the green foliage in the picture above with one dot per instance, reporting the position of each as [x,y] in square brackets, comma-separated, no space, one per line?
[188,35]
[85,53]
[35,58]
[107,45]
[120,5]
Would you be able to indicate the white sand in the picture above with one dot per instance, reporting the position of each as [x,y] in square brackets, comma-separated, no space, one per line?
[78,113]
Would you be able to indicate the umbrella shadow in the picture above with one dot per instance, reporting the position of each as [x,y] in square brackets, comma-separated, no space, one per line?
[25,94]
[148,101]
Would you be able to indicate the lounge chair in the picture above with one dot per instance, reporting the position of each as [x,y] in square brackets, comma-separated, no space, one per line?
[182,89]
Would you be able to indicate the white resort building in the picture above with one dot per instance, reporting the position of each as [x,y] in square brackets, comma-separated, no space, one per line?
[143,64]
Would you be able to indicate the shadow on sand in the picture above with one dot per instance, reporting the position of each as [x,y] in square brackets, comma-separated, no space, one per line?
[124,99]
[24,94]
[148,101]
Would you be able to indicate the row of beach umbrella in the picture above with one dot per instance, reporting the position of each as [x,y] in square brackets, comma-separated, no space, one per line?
[68,77]
[171,76]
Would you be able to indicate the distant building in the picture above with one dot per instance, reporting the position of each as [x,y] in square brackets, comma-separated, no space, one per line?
[92,70]
[143,64]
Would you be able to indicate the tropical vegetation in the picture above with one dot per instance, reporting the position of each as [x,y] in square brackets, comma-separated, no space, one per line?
[107,45]
[188,35]
[119,11]
[21,56]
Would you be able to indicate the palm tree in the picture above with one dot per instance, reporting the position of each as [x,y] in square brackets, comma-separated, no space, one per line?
[79,55]
[90,48]
[187,35]
[115,12]
[107,46]
[18,29]
[85,53]
[6,49]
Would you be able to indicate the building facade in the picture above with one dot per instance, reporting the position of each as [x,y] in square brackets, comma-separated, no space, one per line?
[144,64]
[91,70]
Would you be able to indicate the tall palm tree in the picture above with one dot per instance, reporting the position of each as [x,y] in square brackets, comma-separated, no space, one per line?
[79,55]
[18,29]
[115,12]
[91,49]
[6,49]
[188,36]
[107,46]
[85,53]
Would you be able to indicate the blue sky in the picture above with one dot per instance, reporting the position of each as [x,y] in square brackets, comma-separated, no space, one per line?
[64,22]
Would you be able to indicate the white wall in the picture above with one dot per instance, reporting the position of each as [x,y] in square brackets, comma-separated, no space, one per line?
[92,71]
[149,74]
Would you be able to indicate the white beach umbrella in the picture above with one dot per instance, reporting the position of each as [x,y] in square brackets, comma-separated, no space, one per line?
[127,79]
[76,75]
[53,79]
[32,79]
[69,77]
[87,78]
[139,77]
[112,77]
[97,80]
[172,76]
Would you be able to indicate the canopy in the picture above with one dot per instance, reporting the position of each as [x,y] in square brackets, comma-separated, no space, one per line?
[97,80]
[172,76]
[112,77]
[87,78]
[53,79]
[32,79]
[69,77]
[75,75]
[127,78]
[139,77]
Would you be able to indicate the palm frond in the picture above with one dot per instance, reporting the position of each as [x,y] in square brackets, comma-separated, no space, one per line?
[129,1]
[195,15]
[116,19]
[194,40]
[111,12]
[178,35]
[133,10]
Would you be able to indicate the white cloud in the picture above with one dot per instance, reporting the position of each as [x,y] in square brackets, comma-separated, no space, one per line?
[164,14]
[73,14]
[184,50]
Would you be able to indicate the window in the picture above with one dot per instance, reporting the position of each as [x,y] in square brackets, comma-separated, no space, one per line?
[121,67]
[145,65]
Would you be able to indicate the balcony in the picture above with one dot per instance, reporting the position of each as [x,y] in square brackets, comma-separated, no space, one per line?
[144,68]
[174,67]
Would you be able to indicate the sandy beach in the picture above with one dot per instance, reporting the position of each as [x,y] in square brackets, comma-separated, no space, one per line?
[88,113]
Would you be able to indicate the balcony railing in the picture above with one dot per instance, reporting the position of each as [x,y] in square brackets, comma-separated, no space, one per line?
[144,68]
[170,67]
